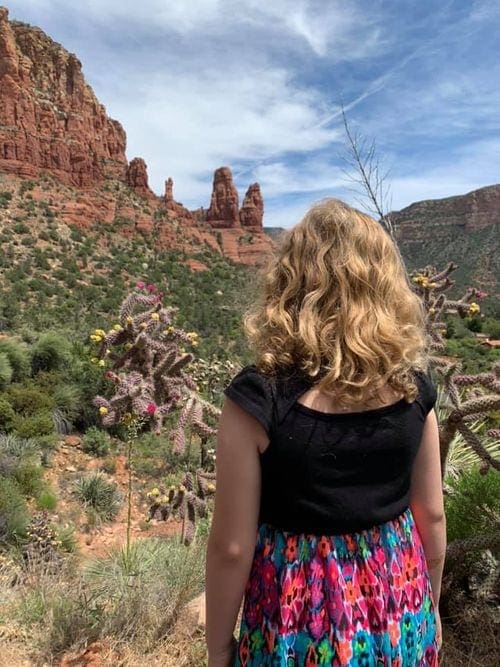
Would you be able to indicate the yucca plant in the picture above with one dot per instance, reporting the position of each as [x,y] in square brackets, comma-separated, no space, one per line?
[97,493]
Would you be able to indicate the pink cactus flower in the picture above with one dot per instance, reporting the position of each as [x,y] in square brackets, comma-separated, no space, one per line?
[151,288]
[151,408]
[140,285]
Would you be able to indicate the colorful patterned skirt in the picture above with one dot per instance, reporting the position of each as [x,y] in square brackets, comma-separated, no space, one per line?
[361,599]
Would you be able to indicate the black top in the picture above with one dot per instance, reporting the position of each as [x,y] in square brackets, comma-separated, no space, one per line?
[331,473]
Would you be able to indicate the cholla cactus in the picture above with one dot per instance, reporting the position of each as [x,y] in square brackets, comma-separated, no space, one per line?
[186,501]
[148,362]
[43,545]
[476,406]
[431,285]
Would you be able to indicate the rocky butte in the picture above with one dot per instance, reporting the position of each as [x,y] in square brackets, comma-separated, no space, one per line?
[54,130]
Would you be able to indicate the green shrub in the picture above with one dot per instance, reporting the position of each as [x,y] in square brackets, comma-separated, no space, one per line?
[50,352]
[5,198]
[29,478]
[6,371]
[109,465]
[28,400]
[473,505]
[97,493]
[31,426]
[14,517]
[96,441]
[6,414]
[47,500]
[67,538]
[68,399]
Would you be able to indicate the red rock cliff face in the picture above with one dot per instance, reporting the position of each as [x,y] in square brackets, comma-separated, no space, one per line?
[470,212]
[252,209]
[137,177]
[223,211]
[49,117]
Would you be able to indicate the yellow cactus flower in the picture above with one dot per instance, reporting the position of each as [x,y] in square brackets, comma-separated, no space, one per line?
[94,360]
[155,316]
[171,488]
[211,487]
[194,343]
[153,493]
[474,308]
[99,332]
[182,488]
[129,319]
[117,327]
[103,410]
[432,311]
[101,363]
[163,500]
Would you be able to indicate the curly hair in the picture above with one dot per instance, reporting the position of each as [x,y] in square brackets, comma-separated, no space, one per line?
[336,303]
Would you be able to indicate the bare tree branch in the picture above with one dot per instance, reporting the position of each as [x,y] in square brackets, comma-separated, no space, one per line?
[364,169]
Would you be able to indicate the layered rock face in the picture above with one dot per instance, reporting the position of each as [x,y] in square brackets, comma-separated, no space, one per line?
[137,177]
[49,117]
[470,212]
[54,130]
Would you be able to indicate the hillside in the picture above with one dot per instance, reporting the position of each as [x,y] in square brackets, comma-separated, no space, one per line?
[464,229]
[78,221]
[55,133]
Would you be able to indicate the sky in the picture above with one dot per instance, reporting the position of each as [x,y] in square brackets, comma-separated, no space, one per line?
[258,85]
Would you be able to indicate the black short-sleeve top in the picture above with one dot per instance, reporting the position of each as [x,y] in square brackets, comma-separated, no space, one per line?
[327,473]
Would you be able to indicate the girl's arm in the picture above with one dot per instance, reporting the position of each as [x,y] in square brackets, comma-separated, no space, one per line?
[426,502]
[233,534]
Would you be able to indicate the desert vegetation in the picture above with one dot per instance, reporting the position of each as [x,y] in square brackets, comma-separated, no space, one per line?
[111,375]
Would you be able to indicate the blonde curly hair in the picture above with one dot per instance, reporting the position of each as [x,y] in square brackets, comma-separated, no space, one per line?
[336,303]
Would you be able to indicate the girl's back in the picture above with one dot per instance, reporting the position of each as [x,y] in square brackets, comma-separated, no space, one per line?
[329,526]
[339,573]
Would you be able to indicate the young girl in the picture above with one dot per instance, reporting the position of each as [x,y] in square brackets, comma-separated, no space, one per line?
[328,514]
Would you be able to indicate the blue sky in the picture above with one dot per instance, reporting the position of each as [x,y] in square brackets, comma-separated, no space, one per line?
[256,85]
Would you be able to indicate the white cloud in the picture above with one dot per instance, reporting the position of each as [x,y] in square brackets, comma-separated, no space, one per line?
[255,85]
[202,121]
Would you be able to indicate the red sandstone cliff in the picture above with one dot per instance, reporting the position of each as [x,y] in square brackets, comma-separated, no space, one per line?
[470,212]
[53,127]
[49,117]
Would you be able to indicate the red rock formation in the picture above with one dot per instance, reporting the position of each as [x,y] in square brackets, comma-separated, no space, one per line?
[137,177]
[169,191]
[252,209]
[469,212]
[223,211]
[54,130]
[49,117]
[171,205]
